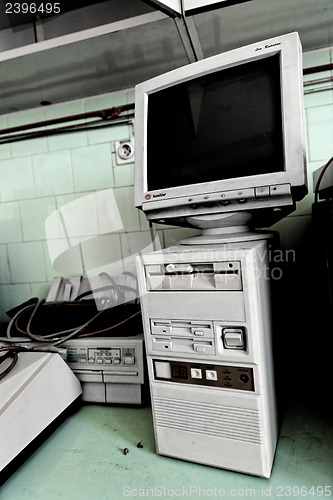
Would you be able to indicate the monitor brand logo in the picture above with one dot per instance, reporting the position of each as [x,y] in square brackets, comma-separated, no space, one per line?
[148,196]
[268,46]
[158,195]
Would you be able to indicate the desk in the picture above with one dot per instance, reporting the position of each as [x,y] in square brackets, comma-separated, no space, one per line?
[83,459]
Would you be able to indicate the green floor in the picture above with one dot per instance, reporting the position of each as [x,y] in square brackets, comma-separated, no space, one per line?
[83,459]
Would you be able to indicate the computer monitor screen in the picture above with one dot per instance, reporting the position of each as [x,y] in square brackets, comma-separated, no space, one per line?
[224,134]
[222,125]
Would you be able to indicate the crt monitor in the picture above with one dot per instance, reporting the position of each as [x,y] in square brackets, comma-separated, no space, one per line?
[223,135]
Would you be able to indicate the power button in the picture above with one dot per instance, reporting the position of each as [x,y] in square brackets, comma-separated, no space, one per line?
[233,338]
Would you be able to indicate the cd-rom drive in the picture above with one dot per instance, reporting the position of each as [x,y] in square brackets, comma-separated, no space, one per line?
[207,327]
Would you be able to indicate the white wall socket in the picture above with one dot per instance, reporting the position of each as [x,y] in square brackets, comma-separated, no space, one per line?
[125,151]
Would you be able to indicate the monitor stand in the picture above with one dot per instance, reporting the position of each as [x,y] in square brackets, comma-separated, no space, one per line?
[231,227]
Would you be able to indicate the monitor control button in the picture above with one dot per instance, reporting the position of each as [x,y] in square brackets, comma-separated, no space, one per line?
[211,374]
[196,373]
[262,192]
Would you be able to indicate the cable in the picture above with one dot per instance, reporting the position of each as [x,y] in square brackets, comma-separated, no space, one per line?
[78,330]
[33,348]
[52,344]
[71,333]
[14,319]
[114,284]
[101,289]
[45,337]
[14,340]
[9,354]
[54,339]
[321,175]
[110,327]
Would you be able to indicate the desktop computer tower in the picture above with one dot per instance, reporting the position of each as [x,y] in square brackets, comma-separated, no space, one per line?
[208,337]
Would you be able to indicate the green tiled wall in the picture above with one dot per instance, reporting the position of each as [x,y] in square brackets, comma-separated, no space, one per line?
[40,175]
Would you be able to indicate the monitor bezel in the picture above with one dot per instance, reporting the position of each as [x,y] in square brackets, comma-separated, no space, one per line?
[288,47]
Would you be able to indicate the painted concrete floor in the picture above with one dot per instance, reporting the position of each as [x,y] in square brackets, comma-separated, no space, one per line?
[83,459]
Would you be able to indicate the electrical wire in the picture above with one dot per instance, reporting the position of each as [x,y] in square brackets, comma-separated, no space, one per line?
[10,353]
[54,339]
[13,351]
[13,340]
[114,285]
[322,173]
[110,327]
[14,319]
[68,333]
[51,341]
[77,331]
[34,311]
[57,341]
[102,289]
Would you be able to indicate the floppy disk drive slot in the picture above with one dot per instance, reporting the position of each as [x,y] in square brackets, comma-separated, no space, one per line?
[182,345]
[195,276]
[182,328]
[182,336]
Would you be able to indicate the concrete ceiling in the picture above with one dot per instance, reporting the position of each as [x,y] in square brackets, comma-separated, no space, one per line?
[111,45]
[233,26]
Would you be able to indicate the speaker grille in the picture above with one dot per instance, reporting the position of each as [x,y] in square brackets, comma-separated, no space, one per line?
[239,424]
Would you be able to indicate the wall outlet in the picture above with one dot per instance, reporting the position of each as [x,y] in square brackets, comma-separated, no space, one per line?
[125,151]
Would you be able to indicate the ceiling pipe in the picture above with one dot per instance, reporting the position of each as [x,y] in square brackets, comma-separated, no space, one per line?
[318,69]
[104,114]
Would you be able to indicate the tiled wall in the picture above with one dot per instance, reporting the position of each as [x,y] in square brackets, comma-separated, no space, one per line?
[38,176]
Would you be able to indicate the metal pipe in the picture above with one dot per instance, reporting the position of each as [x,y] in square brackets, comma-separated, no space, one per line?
[104,114]
[319,89]
[318,69]
[318,80]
